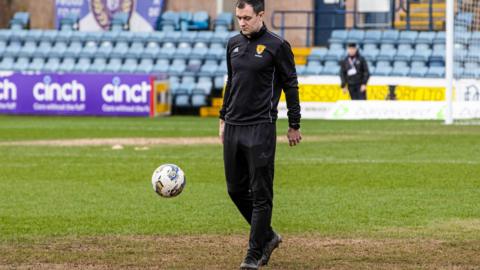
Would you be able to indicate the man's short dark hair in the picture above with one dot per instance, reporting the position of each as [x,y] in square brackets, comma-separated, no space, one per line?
[352,45]
[258,5]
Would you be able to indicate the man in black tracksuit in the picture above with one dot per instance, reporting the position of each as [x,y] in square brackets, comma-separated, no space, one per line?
[354,73]
[260,64]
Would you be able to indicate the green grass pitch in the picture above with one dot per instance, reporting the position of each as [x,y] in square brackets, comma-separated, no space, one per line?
[347,180]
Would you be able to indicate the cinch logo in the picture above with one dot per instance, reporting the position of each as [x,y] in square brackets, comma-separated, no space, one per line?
[48,91]
[8,90]
[116,92]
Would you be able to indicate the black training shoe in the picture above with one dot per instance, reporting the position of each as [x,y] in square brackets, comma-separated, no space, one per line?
[269,248]
[249,263]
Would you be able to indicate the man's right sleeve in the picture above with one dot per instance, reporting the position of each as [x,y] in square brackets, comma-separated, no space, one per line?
[228,86]
[343,74]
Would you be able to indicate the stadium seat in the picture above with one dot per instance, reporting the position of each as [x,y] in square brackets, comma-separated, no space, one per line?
[421,54]
[219,82]
[5,34]
[3,46]
[78,36]
[95,37]
[161,66]
[334,55]
[220,37]
[370,54]
[129,66]
[172,36]
[182,100]
[199,51]
[83,65]
[98,65]
[404,53]
[28,49]
[223,22]
[437,57]
[200,21]
[188,79]
[203,87]
[65,36]
[186,18]
[185,87]
[436,72]
[136,50]
[386,55]
[418,72]
[390,37]
[338,36]
[407,37]
[355,36]
[119,21]
[7,63]
[373,37]
[317,54]
[400,64]
[89,50]
[383,71]
[183,51]
[59,49]
[170,21]
[188,36]
[417,64]
[216,51]
[426,37]
[158,37]
[34,35]
[463,37]
[20,20]
[50,35]
[52,65]
[177,68]
[208,70]
[69,22]
[199,100]
[120,49]
[313,69]
[67,65]
[21,64]
[301,70]
[401,71]
[124,36]
[151,50]
[167,51]
[331,68]
[37,64]
[222,68]
[13,49]
[74,49]
[113,65]
[105,49]
[204,36]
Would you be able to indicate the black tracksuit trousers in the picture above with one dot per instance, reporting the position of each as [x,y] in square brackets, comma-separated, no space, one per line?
[249,156]
[356,93]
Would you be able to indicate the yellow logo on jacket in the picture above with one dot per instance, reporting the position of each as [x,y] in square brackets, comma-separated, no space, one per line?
[261,48]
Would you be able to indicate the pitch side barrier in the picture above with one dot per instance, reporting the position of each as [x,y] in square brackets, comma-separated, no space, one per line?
[388,98]
[81,94]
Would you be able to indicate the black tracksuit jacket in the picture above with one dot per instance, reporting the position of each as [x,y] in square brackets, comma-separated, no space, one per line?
[358,79]
[259,68]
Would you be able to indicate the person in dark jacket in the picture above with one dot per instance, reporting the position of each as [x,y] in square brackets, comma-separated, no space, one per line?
[354,74]
[260,65]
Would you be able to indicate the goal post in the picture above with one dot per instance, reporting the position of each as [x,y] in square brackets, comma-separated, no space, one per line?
[450,59]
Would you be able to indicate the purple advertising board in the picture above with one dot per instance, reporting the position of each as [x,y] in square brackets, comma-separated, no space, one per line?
[75,94]
[96,15]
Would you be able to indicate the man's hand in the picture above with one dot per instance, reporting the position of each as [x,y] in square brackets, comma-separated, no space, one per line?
[345,90]
[363,88]
[294,136]
[221,129]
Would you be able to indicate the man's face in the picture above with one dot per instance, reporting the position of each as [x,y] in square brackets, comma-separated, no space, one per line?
[352,51]
[249,21]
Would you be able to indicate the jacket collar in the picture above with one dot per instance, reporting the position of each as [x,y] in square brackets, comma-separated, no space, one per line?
[258,34]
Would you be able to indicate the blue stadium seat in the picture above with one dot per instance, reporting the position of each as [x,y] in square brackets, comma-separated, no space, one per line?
[120,49]
[119,21]
[145,66]
[5,34]
[113,65]
[383,71]
[199,51]
[59,49]
[203,87]
[474,54]
[186,18]
[161,66]
[129,66]
[400,64]
[216,51]
[436,72]
[222,68]
[208,70]
[426,37]
[418,72]
[67,65]
[422,55]
[28,49]
[301,70]
[200,21]
[185,87]
[336,46]
[317,54]
[220,37]
[83,65]
[390,37]
[170,21]
[400,71]
[50,35]
[69,22]
[193,67]
[199,100]
[167,51]
[136,50]
[386,55]
[3,46]
[463,37]
[224,21]
[188,36]
[219,82]
[111,36]
[89,50]
[331,68]
[13,49]
[373,37]
[313,70]
[105,49]
[158,37]
[65,36]
[404,53]
[20,20]
[334,55]
[74,49]
[151,50]
[37,64]
[475,38]
[78,36]
[338,36]
[407,37]
[98,65]
[204,36]
[125,36]
[355,36]
[34,35]
[182,100]
[177,68]
[7,63]
[418,64]
[183,51]
[437,57]
[21,64]
[19,35]
[172,36]
[52,65]
[370,54]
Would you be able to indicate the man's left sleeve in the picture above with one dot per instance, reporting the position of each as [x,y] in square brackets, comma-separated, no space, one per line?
[366,72]
[289,82]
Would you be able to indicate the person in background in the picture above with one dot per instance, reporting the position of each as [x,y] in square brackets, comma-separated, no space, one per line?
[354,74]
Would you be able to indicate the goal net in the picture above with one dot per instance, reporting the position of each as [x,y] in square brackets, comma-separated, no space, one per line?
[463,61]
